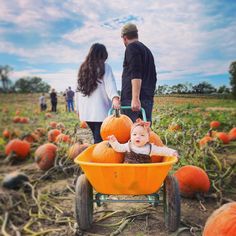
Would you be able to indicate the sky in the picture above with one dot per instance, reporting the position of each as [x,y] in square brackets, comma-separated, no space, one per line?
[191,40]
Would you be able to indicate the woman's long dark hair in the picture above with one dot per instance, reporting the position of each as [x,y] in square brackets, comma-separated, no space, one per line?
[92,69]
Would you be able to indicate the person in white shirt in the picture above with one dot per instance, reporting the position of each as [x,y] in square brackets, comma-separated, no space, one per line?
[96,90]
[139,149]
[42,102]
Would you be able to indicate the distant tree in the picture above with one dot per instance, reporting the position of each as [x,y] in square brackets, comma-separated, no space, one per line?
[223,89]
[232,71]
[204,88]
[162,89]
[179,88]
[4,77]
[31,85]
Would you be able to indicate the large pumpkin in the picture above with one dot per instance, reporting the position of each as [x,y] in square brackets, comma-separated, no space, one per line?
[192,180]
[45,156]
[76,149]
[104,153]
[222,222]
[118,125]
[20,148]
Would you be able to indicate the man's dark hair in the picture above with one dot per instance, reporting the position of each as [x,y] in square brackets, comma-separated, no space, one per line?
[131,35]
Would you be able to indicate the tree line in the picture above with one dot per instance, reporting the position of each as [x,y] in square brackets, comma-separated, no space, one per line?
[22,85]
[36,84]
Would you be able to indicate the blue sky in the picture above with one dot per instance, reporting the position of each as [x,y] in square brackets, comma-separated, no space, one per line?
[191,40]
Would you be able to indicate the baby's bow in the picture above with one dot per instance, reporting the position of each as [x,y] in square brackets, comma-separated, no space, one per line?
[143,123]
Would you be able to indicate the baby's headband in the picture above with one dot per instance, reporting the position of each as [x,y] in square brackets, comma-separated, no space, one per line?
[140,122]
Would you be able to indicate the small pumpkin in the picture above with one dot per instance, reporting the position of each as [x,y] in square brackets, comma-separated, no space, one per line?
[31,137]
[45,156]
[232,134]
[205,140]
[52,135]
[192,180]
[24,120]
[104,153]
[224,137]
[222,222]
[16,119]
[76,149]
[20,148]
[215,124]
[6,133]
[53,124]
[118,125]
[174,127]
[62,138]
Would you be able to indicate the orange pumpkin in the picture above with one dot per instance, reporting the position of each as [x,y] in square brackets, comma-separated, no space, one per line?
[31,138]
[223,137]
[104,153]
[203,142]
[45,156]
[174,127]
[24,120]
[52,135]
[20,148]
[232,134]
[62,138]
[83,125]
[76,149]
[214,124]
[118,125]
[53,124]
[222,222]
[48,115]
[16,119]
[192,180]
[6,133]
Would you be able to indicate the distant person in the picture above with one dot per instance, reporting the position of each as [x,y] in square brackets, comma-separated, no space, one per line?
[70,99]
[96,90]
[42,102]
[53,97]
[139,75]
[65,95]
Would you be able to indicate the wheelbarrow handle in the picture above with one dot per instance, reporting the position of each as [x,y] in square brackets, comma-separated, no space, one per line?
[126,108]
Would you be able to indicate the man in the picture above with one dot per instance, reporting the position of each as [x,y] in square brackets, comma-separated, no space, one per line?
[139,75]
[70,99]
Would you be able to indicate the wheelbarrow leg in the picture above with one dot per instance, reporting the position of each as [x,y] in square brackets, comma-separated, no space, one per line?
[83,202]
[171,200]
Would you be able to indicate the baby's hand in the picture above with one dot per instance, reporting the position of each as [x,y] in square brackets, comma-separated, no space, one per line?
[175,154]
[112,138]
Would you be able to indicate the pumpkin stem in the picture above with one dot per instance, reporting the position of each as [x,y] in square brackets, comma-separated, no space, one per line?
[117,112]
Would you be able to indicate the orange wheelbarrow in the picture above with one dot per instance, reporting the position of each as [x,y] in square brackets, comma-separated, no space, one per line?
[151,180]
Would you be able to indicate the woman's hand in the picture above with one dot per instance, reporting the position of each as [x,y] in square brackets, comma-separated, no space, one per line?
[116,103]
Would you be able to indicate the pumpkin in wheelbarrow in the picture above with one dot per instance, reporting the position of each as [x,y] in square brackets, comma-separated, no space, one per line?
[104,153]
[118,125]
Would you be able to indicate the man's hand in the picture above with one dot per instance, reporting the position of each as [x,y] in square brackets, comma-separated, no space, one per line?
[135,105]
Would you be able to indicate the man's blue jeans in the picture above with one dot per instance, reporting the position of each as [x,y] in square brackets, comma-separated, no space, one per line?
[70,105]
[147,105]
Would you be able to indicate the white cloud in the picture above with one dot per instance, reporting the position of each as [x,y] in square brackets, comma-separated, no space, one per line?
[178,33]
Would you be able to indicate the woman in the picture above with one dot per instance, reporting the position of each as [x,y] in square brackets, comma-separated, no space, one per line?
[96,89]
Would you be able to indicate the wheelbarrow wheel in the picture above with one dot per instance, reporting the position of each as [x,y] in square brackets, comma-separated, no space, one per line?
[171,199]
[83,202]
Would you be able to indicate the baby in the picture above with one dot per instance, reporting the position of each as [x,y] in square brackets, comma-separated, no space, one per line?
[138,149]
